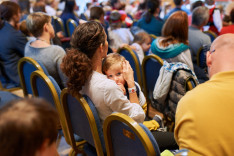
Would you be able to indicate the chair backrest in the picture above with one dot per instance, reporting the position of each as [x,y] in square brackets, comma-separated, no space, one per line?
[46,87]
[26,66]
[123,136]
[57,23]
[201,56]
[133,59]
[71,26]
[151,66]
[84,17]
[82,119]
[211,34]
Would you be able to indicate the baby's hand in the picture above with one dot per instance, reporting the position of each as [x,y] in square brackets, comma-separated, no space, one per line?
[122,87]
[128,74]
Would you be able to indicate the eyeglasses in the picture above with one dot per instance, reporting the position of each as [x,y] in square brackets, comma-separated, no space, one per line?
[212,51]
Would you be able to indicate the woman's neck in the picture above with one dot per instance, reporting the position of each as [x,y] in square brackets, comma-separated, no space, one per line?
[41,42]
[97,62]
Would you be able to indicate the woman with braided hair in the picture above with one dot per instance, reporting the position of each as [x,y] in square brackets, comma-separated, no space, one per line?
[151,21]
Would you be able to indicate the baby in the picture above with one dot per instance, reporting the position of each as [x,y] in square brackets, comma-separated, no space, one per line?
[116,68]
[141,45]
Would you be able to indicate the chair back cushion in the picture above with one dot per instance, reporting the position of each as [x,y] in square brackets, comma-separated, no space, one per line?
[133,64]
[28,68]
[124,140]
[151,69]
[80,122]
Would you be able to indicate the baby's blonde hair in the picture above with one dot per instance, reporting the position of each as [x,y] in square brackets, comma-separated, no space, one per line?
[110,60]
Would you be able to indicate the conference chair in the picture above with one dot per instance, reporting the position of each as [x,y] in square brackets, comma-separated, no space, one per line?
[151,66]
[211,34]
[26,66]
[124,136]
[71,26]
[82,119]
[133,59]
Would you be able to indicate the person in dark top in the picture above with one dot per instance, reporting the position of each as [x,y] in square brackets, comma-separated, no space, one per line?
[12,43]
[151,21]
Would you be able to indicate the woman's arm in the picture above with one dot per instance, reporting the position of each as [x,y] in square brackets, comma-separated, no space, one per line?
[128,76]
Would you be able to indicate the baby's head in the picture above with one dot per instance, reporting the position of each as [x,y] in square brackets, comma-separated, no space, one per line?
[144,40]
[112,67]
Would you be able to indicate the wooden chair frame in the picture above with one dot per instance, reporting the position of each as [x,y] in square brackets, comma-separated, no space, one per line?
[90,117]
[138,130]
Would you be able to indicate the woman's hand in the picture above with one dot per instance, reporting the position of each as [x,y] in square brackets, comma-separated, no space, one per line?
[121,86]
[128,74]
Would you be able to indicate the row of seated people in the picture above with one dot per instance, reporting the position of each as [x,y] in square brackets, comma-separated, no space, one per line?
[91,87]
[34,48]
[101,49]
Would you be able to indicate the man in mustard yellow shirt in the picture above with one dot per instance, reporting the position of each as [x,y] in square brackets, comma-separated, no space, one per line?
[205,115]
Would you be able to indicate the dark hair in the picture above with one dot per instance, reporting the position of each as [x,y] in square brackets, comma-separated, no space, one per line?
[8,9]
[39,7]
[96,13]
[112,2]
[178,2]
[175,29]
[232,15]
[196,4]
[69,6]
[77,64]
[24,126]
[24,6]
[151,6]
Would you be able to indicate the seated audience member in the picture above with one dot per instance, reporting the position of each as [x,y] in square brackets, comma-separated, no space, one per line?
[50,7]
[196,37]
[69,13]
[12,42]
[215,20]
[39,24]
[28,128]
[230,28]
[151,21]
[173,45]
[83,67]
[193,6]
[204,116]
[142,43]
[117,35]
[25,31]
[39,7]
[114,66]
[178,4]
[97,14]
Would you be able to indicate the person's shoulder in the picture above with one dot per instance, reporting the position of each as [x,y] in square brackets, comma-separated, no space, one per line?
[196,95]
[57,49]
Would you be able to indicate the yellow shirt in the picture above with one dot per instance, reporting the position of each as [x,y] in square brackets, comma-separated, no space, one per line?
[205,117]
